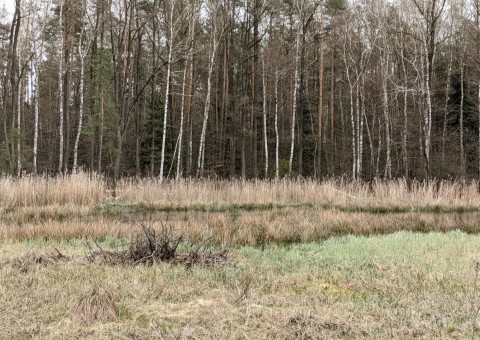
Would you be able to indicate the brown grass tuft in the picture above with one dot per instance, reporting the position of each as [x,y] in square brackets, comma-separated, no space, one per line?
[307,326]
[96,305]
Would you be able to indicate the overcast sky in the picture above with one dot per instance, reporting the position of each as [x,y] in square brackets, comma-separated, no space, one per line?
[8,4]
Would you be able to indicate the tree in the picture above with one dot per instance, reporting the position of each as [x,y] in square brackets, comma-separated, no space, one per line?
[216,32]
[430,13]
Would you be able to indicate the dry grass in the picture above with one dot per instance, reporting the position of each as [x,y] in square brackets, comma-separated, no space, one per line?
[397,193]
[403,285]
[232,213]
[95,305]
[230,229]
[81,189]
[91,190]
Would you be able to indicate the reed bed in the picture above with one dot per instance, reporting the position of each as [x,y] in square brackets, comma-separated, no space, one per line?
[340,192]
[232,213]
[255,228]
[90,190]
[80,189]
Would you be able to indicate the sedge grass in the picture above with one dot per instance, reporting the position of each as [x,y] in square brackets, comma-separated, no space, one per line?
[255,228]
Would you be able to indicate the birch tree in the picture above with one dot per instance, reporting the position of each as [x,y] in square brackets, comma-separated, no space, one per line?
[296,79]
[171,28]
[216,31]
[187,76]
[37,43]
[430,13]
[265,135]
[61,43]
[84,43]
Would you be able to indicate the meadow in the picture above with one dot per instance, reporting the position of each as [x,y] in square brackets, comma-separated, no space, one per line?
[336,259]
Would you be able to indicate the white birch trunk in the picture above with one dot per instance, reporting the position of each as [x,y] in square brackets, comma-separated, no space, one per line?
[80,109]
[60,91]
[180,134]
[265,136]
[427,115]
[36,99]
[388,163]
[201,151]
[19,121]
[405,109]
[362,121]
[296,81]
[352,120]
[189,70]
[354,136]
[370,141]
[379,150]
[167,94]
[190,148]
[428,125]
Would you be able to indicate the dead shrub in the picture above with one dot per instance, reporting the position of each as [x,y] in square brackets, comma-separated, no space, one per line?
[23,263]
[101,256]
[149,247]
[96,305]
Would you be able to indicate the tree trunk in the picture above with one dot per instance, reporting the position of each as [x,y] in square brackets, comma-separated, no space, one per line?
[100,132]
[265,136]
[80,109]
[277,139]
[446,107]
[201,152]
[462,99]
[405,109]
[180,134]
[320,103]
[167,93]
[60,90]
[36,98]
[19,121]
[386,116]
[332,105]
[296,85]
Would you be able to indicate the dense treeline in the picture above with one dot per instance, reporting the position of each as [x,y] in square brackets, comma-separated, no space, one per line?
[241,88]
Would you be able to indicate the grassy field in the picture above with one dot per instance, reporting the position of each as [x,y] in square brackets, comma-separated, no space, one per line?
[305,259]
[404,285]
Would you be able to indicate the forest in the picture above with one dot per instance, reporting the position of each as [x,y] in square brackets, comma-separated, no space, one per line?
[241,88]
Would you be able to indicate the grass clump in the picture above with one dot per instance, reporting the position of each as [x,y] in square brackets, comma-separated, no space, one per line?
[96,305]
